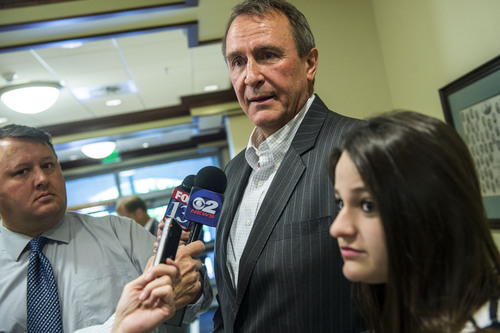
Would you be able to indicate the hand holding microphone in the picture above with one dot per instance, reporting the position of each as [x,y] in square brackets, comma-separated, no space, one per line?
[205,201]
[173,222]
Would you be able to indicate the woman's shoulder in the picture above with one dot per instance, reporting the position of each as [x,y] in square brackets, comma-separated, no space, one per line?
[486,318]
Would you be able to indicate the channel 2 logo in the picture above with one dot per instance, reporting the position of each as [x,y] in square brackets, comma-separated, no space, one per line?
[204,206]
[207,206]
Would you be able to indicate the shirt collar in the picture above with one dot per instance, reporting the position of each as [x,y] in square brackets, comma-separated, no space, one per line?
[279,142]
[15,242]
[149,223]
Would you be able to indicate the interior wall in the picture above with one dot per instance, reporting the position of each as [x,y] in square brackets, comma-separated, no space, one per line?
[427,44]
[351,77]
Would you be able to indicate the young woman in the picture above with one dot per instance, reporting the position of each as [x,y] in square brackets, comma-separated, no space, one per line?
[412,229]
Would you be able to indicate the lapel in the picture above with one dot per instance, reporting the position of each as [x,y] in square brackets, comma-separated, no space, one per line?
[284,183]
[233,194]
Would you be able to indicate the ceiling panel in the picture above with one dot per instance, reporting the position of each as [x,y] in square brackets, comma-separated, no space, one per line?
[147,70]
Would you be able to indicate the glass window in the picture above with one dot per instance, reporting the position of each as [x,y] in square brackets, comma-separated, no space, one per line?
[98,189]
[91,189]
[162,176]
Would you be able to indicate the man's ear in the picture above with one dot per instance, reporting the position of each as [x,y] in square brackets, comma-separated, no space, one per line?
[312,63]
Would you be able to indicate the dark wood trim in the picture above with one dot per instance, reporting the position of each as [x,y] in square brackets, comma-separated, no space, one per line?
[191,30]
[187,102]
[8,4]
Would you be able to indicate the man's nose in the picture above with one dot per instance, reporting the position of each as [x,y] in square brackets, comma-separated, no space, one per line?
[253,73]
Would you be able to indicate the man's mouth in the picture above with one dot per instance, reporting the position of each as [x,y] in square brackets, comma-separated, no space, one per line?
[260,99]
[45,195]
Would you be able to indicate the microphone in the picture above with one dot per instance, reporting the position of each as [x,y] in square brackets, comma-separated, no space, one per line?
[174,221]
[177,206]
[205,200]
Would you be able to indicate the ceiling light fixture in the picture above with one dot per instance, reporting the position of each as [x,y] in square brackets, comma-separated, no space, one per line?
[99,150]
[30,97]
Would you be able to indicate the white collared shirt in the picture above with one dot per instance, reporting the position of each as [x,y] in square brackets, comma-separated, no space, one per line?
[149,223]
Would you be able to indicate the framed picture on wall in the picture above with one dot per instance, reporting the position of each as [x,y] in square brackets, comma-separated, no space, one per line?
[471,104]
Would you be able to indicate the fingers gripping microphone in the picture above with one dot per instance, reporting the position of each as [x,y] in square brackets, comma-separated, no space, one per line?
[174,221]
[205,201]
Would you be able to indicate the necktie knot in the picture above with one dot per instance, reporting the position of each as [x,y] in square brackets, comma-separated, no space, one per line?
[37,244]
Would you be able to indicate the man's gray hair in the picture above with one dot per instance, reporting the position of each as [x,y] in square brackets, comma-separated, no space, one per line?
[301,32]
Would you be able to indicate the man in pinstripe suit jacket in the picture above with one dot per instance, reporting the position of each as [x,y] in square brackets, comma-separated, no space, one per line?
[277,268]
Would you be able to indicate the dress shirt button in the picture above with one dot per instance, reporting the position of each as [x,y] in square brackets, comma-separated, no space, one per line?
[277,165]
[249,223]
[260,183]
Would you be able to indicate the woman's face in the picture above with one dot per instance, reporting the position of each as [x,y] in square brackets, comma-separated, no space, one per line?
[358,227]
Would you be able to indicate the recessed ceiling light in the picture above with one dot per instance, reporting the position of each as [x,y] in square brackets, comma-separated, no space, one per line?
[211,87]
[145,145]
[3,120]
[113,102]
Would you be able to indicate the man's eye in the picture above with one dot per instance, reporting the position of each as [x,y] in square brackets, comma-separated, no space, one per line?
[21,172]
[367,206]
[268,55]
[237,63]
[339,203]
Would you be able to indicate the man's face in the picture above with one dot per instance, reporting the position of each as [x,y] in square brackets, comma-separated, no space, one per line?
[271,81]
[32,188]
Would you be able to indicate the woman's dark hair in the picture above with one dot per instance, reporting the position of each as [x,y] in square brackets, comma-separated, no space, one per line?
[443,262]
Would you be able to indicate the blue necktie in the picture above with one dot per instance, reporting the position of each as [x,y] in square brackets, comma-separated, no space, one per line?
[44,313]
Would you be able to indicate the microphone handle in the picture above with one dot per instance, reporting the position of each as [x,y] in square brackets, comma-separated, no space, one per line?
[169,241]
[194,235]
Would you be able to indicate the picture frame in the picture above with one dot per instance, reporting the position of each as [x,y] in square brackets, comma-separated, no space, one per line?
[471,104]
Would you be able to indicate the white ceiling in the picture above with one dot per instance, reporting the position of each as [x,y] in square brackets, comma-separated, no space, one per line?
[146,70]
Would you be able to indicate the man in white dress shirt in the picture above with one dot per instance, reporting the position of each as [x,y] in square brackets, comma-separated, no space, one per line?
[92,259]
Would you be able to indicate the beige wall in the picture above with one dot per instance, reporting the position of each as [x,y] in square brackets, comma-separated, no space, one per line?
[427,44]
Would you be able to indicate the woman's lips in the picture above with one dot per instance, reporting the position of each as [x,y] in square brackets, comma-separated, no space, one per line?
[349,252]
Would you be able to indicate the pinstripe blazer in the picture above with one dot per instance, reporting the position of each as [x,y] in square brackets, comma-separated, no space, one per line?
[290,273]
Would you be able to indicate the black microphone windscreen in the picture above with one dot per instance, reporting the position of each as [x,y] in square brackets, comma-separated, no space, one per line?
[211,178]
[188,182]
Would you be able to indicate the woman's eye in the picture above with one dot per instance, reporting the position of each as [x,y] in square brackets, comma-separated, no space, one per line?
[339,203]
[367,206]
